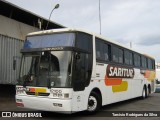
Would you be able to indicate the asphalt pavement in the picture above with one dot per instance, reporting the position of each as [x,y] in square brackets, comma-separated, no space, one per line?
[136,106]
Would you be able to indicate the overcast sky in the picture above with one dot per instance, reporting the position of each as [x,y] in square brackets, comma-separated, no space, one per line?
[125,21]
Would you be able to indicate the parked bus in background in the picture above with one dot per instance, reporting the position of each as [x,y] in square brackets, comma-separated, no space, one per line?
[69,70]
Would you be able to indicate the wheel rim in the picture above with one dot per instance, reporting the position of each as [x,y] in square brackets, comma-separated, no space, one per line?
[92,103]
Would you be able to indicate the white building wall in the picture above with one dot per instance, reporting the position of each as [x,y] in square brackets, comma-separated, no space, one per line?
[15,29]
[12,36]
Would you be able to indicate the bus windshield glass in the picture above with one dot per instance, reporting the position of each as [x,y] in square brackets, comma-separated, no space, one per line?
[46,69]
[50,40]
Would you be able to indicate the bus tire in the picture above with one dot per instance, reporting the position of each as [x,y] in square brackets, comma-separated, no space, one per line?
[144,93]
[94,102]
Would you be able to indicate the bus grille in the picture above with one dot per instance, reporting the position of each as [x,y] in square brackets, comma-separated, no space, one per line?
[38,94]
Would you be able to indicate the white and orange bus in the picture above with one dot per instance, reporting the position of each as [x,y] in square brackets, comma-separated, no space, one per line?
[69,70]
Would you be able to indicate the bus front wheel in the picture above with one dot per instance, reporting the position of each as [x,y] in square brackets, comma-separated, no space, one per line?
[94,102]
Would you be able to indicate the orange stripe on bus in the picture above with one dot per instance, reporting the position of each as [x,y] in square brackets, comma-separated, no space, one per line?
[150,75]
[32,89]
[112,81]
[147,74]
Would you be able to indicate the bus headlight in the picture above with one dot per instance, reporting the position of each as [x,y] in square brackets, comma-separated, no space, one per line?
[20,90]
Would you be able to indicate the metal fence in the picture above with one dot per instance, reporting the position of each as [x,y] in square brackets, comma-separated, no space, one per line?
[9,59]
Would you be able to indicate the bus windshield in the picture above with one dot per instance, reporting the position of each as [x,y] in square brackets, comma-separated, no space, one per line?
[50,40]
[46,69]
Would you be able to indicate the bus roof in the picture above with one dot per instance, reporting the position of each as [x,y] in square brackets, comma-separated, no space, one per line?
[80,30]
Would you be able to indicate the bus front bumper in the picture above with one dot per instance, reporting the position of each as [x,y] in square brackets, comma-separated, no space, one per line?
[44,104]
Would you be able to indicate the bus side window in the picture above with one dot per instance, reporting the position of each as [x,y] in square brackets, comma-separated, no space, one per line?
[106,52]
[99,50]
[130,58]
[144,62]
[102,50]
[115,54]
[126,57]
[150,66]
[137,60]
[120,56]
